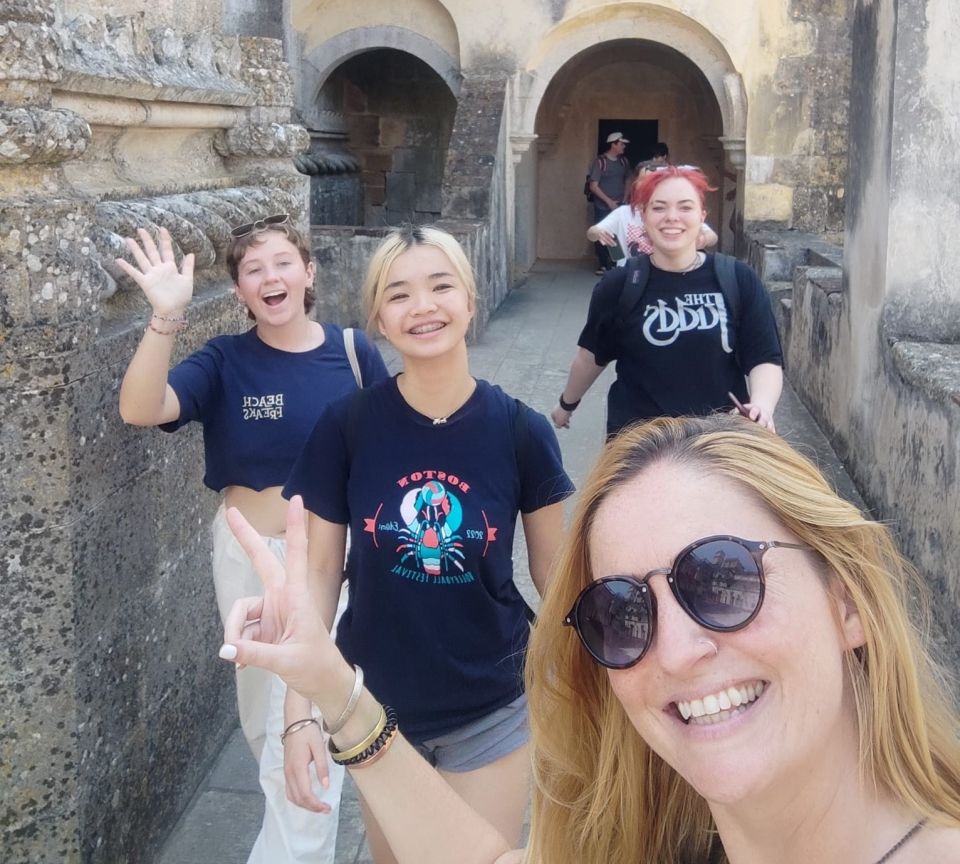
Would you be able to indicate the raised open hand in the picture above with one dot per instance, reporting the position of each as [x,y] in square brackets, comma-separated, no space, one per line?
[283,630]
[167,289]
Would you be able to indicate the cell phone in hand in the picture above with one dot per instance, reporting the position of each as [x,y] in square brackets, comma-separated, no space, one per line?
[616,251]
[739,405]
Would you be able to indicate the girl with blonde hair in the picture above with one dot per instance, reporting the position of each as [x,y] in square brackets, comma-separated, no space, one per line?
[723,670]
[430,470]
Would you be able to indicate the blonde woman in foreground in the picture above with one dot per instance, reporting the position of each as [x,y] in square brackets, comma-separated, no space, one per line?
[723,670]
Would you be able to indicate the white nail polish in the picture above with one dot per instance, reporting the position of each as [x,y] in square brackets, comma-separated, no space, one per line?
[228,652]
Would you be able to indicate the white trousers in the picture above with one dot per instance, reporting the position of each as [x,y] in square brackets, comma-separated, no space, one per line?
[289,834]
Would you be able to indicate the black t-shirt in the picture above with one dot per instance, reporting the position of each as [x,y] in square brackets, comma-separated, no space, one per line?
[434,617]
[678,353]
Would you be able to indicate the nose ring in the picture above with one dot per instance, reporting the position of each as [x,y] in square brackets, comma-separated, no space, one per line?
[711,643]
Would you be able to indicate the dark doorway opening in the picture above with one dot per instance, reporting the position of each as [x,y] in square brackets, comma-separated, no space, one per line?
[642,135]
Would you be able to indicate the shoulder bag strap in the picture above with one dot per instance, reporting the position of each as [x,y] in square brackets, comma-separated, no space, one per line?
[351,347]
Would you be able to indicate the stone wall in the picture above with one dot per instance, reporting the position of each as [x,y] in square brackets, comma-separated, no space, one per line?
[397,114]
[475,210]
[108,619]
[899,435]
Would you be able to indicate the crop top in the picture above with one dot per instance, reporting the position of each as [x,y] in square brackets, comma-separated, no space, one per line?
[258,404]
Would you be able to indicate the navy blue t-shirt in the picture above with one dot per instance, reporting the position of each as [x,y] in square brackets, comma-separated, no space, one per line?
[258,404]
[434,617]
[679,352]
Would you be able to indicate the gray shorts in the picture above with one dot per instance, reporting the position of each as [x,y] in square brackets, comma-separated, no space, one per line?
[481,742]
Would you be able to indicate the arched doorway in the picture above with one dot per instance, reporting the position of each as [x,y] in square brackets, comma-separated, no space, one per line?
[394,115]
[650,87]
[638,61]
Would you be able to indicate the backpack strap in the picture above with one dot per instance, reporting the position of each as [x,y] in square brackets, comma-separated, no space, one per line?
[350,345]
[521,445]
[521,434]
[356,409]
[724,266]
[634,284]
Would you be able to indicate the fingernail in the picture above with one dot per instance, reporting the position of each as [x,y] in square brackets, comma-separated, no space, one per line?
[228,652]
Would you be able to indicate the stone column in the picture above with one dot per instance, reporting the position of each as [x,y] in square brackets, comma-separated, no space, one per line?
[47,300]
[525,197]
[732,196]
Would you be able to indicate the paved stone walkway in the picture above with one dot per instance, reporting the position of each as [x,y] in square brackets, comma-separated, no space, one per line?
[526,349]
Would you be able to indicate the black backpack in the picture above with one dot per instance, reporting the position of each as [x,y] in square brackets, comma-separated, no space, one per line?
[638,274]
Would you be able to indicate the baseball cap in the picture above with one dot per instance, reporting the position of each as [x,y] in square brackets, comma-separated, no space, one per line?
[613,137]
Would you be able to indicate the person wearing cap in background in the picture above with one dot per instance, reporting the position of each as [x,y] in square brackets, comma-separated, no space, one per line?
[608,182]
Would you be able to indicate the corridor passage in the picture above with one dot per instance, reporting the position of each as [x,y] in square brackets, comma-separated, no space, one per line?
[526,349]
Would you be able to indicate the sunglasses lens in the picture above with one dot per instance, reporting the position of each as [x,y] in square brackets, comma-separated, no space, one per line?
[613,620]
[719,582]
[259,225]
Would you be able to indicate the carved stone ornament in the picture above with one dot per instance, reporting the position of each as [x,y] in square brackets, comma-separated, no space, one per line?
[284,140]
[41,135]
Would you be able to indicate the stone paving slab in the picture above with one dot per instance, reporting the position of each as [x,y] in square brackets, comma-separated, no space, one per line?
[526,349]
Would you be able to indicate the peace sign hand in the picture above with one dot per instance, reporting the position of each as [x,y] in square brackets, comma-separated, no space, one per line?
[282,631]
[168,290]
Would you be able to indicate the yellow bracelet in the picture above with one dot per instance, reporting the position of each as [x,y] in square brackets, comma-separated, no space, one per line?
[379,754]
[342,755]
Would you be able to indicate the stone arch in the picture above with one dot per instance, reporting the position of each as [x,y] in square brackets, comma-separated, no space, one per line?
[321,61]
[641,21]
[549,173]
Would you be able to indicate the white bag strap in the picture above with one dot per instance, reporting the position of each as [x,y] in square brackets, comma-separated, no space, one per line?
[350,345]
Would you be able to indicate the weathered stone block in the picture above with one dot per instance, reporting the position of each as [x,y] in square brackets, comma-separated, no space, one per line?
[364,131]
[378,160]
[401,190]
[38,135]
[31,51]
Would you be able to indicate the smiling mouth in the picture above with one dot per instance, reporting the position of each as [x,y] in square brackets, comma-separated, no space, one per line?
[275,298]
[427,328]
[719,706]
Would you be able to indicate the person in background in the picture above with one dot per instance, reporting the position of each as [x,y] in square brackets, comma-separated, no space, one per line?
[430,471]
[661,154]
[623,227]
[608,178]
[257,396]
[686,344]
[725,670]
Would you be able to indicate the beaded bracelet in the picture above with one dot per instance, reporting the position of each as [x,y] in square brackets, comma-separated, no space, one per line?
[178,324]
[375,748]
[341,756]
[347,712]
[296,726]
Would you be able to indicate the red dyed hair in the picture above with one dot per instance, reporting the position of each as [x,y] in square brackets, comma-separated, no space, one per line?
[643,190]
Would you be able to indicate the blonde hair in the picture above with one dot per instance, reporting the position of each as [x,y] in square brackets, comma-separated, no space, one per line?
[401,240]
[601,794]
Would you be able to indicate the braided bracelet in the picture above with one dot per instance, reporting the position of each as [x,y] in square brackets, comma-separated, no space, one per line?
[296,726]
[178,324]
[347,712]
[375,748]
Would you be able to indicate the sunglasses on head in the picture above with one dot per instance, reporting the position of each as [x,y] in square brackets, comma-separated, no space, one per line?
[718,581]
[678,167]
[260,225]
